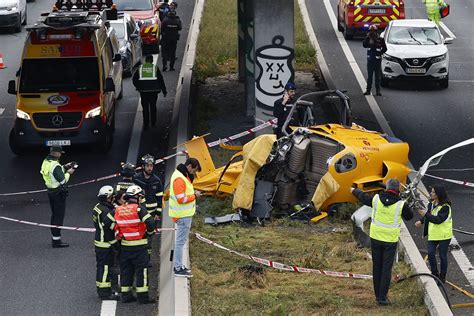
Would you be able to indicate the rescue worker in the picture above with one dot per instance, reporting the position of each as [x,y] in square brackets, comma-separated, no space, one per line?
[182,206]
[170,28]
[132,227]
[56,177]
[387,212]
[104,242]
[127,173]
[148,80]
[433,8]
[163,9]
[376,48]
[151,185]
[438,226]
[282,106]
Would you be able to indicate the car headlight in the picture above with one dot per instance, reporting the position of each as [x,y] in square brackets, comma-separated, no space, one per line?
[12,7]
[439,58]
[93,113]
[22,115]
[147,22]
[390,58]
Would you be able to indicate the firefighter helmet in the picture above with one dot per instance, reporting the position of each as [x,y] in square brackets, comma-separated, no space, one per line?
[106,191]
[148,159]
[128,170]
[134,191]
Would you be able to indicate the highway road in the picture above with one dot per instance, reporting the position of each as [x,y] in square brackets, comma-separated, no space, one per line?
[39,280]
[428,118]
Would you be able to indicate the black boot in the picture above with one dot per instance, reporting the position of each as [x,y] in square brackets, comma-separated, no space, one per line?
[172,67]
[378,92]
[367,92]
[59,244]
[165,67]
[442,277]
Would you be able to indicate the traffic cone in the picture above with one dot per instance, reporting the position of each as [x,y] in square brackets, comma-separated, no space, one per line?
[2,65]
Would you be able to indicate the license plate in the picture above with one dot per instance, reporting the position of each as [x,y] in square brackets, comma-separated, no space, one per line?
[416,70]
[376,11]
[65,142]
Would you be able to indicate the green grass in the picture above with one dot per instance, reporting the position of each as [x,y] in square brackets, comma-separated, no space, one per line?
[222,284]
[217,44]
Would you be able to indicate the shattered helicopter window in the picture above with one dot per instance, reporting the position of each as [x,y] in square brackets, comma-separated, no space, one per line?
[346,163]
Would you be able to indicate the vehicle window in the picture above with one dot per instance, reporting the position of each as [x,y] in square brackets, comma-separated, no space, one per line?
[133,5]
[59,75]
[410,35]
[119,30]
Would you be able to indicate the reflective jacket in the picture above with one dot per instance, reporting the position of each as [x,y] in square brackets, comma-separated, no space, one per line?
[153,191]
[438,222]
[132,225]
[104,234]
[54,175]
[386,220]
[182,203]
[148,78]
[433,6]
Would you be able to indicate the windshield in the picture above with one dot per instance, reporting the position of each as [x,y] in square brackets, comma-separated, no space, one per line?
[59,75]
[133,5]
[414,35]
[119,29]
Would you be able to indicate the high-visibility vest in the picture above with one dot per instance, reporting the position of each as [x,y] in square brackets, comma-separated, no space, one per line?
[129,228]
[433,6]
[147,72]
[176,209]
[441,231]
[386,220]
[47,168]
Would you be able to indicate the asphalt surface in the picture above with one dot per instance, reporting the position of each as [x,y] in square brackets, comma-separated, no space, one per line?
[428,118]
[39,280]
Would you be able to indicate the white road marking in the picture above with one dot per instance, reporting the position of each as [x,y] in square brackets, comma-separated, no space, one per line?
[459,255]
[461,81]
[447,30]
[108,308]
[2,110]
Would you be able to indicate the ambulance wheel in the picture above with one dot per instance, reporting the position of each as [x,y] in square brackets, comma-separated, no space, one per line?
[339,22]
[14,146]
[348,32]
[444,83]
[384,82]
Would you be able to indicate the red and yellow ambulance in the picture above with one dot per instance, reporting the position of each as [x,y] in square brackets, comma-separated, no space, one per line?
[68,83]
[357,15]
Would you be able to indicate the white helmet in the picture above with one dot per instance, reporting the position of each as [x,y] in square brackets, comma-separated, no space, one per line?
[134,190]
[106,191]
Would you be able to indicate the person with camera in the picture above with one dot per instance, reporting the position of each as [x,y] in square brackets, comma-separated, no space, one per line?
[282,107]
[376,48]
[56,177]
[170,27]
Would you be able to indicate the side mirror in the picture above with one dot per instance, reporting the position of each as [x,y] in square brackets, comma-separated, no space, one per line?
[134,36]
[12,87]
[109,85]
[448,40]
[117,57]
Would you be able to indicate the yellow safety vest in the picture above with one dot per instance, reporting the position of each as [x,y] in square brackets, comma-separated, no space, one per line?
[386,220]
[433,6]
[177,210]
[147,72]
[46,171]
[441,231]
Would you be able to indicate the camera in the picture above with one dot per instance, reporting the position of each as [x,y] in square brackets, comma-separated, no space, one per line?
[71,165]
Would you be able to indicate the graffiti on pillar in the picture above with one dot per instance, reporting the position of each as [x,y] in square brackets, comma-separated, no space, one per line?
[275,63]
[249,48]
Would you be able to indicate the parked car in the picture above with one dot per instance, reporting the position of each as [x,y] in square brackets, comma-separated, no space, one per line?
[415,49]
[146,15]
[13,13]
[130,42]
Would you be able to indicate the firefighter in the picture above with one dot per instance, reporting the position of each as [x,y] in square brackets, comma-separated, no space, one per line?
[128,170]
[56,177]
[151,185]
[170,28]
[104,243]
[148,80]
[376,48]
[433,8]
[133,225]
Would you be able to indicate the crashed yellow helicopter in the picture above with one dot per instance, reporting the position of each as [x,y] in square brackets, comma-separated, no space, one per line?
[314,162]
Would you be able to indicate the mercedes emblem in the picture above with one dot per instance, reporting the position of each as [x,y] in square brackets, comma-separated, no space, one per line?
[57,120]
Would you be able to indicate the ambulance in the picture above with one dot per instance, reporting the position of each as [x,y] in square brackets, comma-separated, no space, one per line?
[69,81]
[356,16]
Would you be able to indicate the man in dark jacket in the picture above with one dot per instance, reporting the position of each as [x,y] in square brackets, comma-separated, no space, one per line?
[170,27]
[376,48]
[281,107]
[387,212]
[127,173]
[148,80]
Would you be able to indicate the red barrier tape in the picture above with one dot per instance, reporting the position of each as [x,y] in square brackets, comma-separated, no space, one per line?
[284,267]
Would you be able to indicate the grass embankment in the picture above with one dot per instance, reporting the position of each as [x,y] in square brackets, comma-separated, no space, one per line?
[217,45]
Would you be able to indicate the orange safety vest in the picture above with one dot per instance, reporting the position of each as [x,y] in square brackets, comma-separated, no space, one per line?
[128,226]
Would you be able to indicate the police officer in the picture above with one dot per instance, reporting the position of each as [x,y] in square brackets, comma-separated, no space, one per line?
[148,80]
[376,48]
[387,212]
[56,177]
[170,28]
[128,170]
[133,225]
[150,184]
[104,242]
[281,107]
